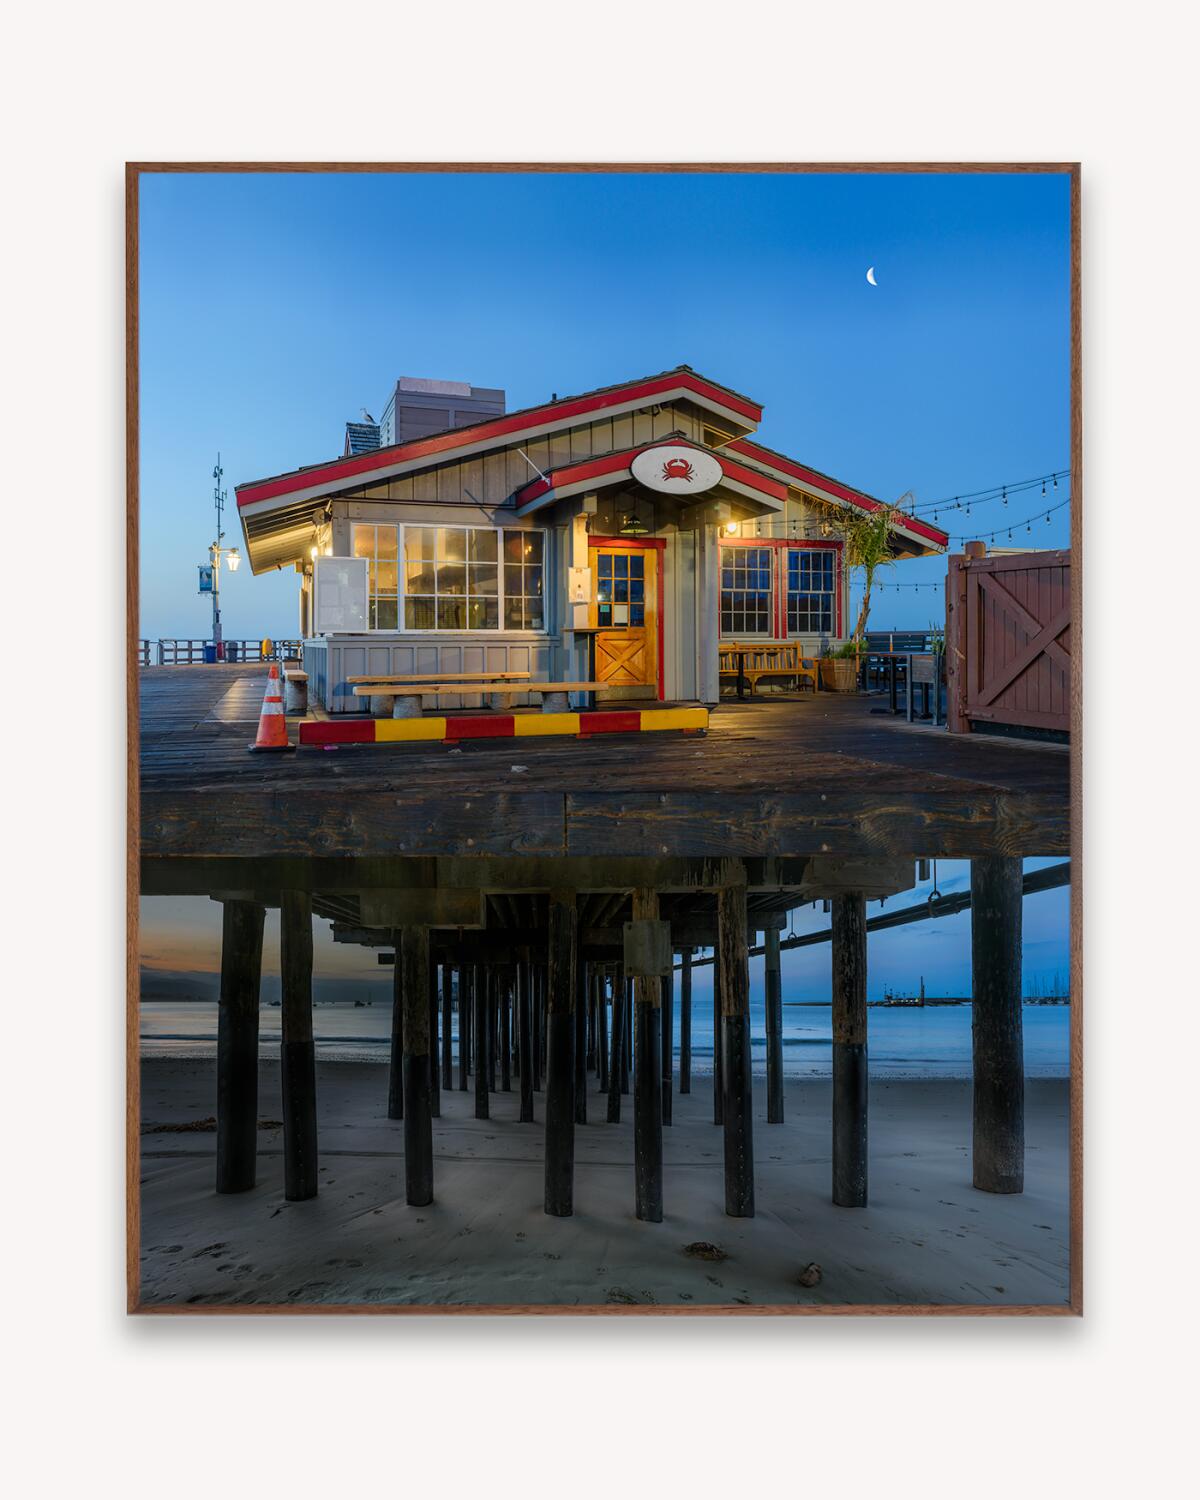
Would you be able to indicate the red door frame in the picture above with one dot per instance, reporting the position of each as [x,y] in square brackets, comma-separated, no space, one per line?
[657,544]
[781,546]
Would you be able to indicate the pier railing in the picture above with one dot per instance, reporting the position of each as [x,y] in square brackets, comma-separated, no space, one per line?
[177,652]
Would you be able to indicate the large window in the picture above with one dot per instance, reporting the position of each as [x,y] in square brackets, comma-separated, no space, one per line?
[378,545]
[746,590]
[453,577]
[810,592]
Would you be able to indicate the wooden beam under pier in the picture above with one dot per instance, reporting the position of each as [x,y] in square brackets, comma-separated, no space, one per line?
[297,1056]
[237,1046]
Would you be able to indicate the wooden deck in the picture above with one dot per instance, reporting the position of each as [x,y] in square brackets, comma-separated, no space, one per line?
[786,776]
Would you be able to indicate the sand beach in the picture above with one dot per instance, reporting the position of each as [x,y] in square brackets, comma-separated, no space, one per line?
[927,1237]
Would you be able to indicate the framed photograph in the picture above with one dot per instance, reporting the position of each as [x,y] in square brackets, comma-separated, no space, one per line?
[603,830]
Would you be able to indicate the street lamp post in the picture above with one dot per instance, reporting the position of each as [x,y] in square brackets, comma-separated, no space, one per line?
[216,551]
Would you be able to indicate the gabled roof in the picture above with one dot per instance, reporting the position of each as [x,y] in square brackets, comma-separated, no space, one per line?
[729,407]
[614,468]
[825,487]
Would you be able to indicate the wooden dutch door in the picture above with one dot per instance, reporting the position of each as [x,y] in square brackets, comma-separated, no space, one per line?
[1010,640]
[624,612]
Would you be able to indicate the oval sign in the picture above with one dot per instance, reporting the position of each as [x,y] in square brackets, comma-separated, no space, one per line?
[676,470]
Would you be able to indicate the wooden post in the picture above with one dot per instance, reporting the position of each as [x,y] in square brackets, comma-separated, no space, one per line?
[626,1033]
[237,1046]
[773,991]
[413,962]
[685,1023]
[581,989]
[602,1030]
[395,1106]
[431,986]
[525,1036]
[648,1080]
[848,925]
[718,1087]
[560,1061]
[491,989]
[668,1044]
[297,1056]
[481,1037]
[504,984]
[465,991]
[737,1101]
[996,1042]
[535,1006]
[618,1049]
[447,1027]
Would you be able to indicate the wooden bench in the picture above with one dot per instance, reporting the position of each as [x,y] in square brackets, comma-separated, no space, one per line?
[406,697]
[295,689]
[442,677]
[766,661]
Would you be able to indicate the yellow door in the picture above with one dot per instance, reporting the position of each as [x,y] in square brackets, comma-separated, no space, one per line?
[625,614]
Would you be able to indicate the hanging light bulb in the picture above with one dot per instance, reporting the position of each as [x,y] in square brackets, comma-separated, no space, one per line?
[1055,478]
[1004,494]
[1047,518]
[1043,489]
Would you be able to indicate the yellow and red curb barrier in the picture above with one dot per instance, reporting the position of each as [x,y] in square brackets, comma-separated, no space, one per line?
[452,728]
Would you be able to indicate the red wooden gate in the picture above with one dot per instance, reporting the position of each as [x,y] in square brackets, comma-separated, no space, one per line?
[1008,641]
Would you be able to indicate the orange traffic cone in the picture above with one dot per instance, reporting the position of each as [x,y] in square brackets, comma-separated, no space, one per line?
[272,726]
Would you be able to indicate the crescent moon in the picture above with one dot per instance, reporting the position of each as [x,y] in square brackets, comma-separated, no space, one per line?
[871,275]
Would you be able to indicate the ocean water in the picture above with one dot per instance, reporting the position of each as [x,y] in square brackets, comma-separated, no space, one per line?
[934,1042]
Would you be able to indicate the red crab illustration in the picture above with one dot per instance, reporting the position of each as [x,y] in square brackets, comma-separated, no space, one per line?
[678,468]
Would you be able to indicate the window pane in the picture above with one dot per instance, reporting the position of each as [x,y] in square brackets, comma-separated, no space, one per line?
[419,614]
[385,614]
[513,614]
[533,582]
[385,577]
[484,579]
[637,614]
[364,541]
[452,544]
[483,614]
[385,541]
[533,547]
[452,614]
[514,546]
[419,542]
[451,578]
[418,577]
[637,566]
[483,545]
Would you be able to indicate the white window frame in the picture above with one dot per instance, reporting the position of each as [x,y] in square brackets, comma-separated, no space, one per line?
[486,633]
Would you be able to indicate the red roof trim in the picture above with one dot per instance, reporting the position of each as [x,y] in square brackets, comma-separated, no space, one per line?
[832,486]
[595,468]
[448,442]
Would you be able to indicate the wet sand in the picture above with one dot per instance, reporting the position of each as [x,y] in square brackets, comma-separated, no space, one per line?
[927,1237]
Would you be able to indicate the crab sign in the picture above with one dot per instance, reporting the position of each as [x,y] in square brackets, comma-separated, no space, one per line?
[678,468]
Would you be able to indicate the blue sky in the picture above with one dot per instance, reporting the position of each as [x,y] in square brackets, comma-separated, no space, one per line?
[273,307]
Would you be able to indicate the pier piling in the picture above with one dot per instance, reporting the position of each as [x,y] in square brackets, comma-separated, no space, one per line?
[561,1000]
[647,1079]
[998,1089]
[413,962]
[237,1046]
[298,1067]
[737,1101]
[848,925]
[525,1039]
[773,993]
[685,1023]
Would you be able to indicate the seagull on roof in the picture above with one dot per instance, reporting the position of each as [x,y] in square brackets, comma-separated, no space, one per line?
[366,415]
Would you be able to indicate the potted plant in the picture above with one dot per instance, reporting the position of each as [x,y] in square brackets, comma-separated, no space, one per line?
[839,668]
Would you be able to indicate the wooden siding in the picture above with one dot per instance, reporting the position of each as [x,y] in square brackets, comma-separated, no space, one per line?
[493,478]
[1008,641]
